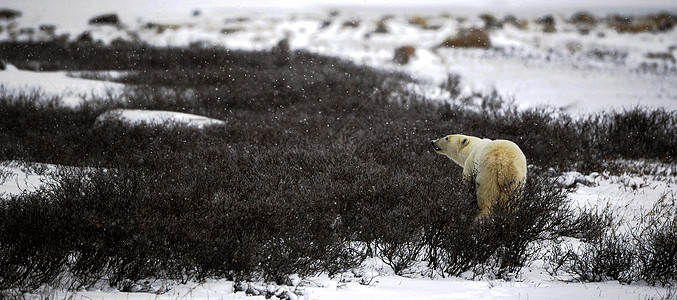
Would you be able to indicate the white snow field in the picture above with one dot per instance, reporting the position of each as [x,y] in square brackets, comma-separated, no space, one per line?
[567,70]
[630,196]
[71,91]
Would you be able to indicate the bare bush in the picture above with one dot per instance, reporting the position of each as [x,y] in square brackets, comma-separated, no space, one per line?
[312,174]
[644,252]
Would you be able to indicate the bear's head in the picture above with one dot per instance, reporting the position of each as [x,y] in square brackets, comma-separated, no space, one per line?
[451,146]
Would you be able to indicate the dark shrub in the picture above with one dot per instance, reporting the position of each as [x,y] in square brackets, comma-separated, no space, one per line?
[9,14]
[491,22]
[108,19]
[608,257]
[583,18]
[665,21]
[657,243]
[659,259]
[497,245]
[33,248]
[546,20]
[320,163]
[452,85]
[640,132]
[517,23]
[588,224]
[645,251]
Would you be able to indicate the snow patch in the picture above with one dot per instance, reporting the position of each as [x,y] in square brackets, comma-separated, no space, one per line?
[72,91]
[156,117]
[18,177]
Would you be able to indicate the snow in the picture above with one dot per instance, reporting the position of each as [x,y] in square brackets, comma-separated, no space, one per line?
[390,287]
[72,91]
[532,67]
[17,177]
[567,70]
[630,196]
[157,117]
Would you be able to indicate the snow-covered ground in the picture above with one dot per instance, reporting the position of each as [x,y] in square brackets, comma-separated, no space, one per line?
[629,196]
[136,116]
[389,287]
[71,91]
[577,73]
[602,69]
[17,177]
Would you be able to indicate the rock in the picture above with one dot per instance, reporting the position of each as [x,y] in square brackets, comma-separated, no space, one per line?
[491,22]
[583,18]
[664,21]
[468,38]
[108,19]
[9,14]
[231,30]
[419,21]
[84,38]
[546,20]
[27,30]
[353,23]
[662,56]
[48,29]
[381,27]
[325,24]
[549,28]
[160,28]
[403,54]
[517,23]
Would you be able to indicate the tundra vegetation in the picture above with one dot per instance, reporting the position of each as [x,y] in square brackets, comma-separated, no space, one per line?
[319,165]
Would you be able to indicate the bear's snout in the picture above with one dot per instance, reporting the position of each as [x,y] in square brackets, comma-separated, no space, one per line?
[435,146]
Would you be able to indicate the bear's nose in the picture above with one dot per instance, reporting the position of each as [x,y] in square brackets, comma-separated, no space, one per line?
[437,148]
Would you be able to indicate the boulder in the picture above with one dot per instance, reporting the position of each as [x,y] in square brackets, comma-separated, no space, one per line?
[9,14]
[403,54]
[107,19]
[468,38]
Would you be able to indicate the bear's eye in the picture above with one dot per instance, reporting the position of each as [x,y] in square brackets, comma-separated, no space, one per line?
[464,141]
[446,138]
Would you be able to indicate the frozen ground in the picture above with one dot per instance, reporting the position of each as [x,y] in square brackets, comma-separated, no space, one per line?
[399,288]
[561,69]
[576,72]
[135,116]
[630,196]
[71,91]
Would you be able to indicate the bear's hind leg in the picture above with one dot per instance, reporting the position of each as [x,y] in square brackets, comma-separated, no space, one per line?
[483,199]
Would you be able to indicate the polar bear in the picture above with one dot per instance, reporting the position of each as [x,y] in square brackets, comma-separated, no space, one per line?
[498,166]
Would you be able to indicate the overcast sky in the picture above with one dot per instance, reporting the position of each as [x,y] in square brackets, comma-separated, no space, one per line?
[78,6]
